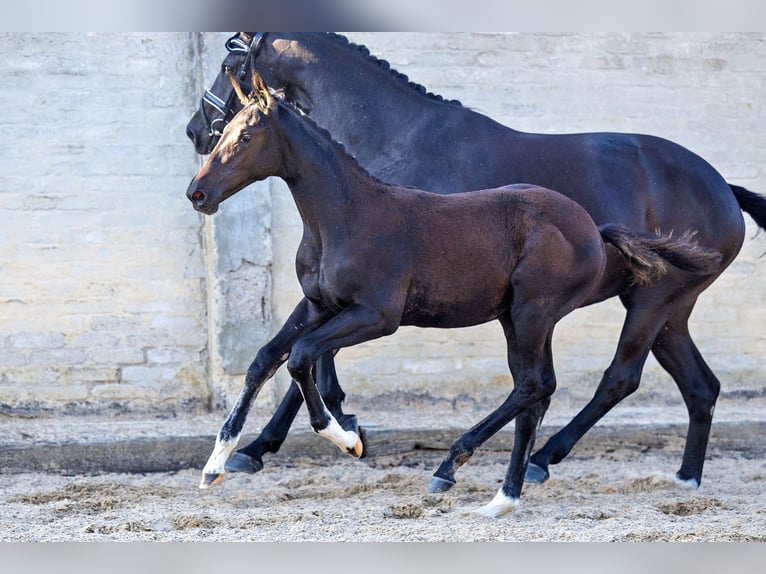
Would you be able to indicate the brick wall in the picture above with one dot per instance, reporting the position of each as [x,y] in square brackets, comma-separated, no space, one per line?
[102,296]
[115,294]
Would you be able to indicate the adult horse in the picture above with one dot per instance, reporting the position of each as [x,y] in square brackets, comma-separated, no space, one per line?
[638,181]
[376,256]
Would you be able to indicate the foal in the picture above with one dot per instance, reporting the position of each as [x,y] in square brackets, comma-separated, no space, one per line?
[375,256]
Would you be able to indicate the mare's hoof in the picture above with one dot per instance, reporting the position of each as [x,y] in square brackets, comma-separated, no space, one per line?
[240,462]
[440,484]
[536,474]
[692,483]
[209,480]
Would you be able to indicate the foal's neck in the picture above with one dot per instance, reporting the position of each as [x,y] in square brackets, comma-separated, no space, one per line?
[324,179]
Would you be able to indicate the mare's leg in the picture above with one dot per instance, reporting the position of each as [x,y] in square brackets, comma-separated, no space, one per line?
[676,352]
[303,319]
[250,458]
[642,324]
[356,324]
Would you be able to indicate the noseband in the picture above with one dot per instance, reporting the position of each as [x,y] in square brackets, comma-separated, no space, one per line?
[237,45]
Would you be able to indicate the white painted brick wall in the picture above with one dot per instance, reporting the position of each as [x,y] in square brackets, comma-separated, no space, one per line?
[104,299]
[102,290]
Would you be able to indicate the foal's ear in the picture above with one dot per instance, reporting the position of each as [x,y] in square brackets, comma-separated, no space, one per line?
[261,92]
[237,88]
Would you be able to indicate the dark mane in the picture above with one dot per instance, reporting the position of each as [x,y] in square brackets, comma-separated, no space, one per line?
[384,65]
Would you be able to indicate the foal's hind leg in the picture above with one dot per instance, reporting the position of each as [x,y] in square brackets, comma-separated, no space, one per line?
[533,387]
[676,352]
[527,424]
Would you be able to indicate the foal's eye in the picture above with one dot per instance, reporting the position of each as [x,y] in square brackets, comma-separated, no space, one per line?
[245,137]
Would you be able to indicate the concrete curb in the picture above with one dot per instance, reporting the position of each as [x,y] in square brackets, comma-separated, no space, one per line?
[164,454]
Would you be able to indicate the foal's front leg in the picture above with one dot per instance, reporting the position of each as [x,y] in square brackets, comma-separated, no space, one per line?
[355,324]
[249,459]
[303,319]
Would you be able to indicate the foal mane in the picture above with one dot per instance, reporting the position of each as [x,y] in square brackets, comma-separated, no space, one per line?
[384,65]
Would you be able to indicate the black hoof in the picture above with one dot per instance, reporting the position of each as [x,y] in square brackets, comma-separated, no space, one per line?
[363,437]
[536,474]
[349,423]
[440,484]
[240,462]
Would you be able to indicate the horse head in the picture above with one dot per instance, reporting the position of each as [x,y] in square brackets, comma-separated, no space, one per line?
[247,150]
[277,61]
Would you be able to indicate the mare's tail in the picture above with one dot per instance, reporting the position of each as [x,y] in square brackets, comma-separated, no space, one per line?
[648,255]
[751,203]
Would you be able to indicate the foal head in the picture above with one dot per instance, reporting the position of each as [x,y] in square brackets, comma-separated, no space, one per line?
[246,152]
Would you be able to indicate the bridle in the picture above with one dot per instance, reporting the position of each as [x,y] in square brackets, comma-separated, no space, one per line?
[235,44]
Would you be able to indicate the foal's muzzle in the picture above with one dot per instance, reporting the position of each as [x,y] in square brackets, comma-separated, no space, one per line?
[199,201]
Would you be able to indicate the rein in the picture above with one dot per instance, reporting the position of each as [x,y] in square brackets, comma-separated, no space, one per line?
[234,45]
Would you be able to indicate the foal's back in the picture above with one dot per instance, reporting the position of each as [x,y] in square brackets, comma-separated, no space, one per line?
[470,254]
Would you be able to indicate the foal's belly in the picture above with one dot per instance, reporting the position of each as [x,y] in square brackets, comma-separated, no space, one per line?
[463,308]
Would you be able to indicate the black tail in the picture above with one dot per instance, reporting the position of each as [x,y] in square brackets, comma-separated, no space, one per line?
[751,203]
[648,255]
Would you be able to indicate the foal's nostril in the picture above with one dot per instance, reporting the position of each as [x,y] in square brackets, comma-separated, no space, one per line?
[190,135]
[198,197]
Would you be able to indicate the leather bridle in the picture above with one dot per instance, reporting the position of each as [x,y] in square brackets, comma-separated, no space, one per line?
[235,44]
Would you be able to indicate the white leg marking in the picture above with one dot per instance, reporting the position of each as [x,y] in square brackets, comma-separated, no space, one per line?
[347,441]
[215,464]
[499,505]
[689,483]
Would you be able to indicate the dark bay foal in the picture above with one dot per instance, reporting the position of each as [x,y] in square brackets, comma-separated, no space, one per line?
[376,256]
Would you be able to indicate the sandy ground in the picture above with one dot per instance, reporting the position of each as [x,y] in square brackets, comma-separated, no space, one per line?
[605,492]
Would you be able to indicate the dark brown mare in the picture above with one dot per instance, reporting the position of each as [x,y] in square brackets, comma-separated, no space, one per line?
[641,182]
[375,256]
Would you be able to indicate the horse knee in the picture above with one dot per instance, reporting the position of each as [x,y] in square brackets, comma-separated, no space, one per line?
[264,365]
[620,384]
[300,362]
[533,391]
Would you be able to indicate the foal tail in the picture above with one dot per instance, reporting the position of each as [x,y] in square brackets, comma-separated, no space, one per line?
[648,255]
[751,203]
